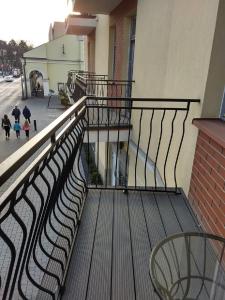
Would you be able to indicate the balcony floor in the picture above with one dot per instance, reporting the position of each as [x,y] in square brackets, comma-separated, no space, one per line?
[117,232]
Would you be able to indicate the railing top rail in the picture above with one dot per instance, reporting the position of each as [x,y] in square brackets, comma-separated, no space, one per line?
[108,81]
[132,99]
[16,160]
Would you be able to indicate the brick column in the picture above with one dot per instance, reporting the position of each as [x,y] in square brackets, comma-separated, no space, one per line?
[207,188]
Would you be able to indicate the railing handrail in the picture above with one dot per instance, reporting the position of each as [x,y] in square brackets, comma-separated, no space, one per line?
[17,159]
[184,100]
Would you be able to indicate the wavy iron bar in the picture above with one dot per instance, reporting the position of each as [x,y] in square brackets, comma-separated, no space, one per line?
[100,142]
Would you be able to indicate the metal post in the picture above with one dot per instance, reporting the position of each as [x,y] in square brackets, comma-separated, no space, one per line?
[35,125]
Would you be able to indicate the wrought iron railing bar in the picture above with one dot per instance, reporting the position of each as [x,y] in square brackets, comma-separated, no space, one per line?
[44,270]
[69,199]
[180,145]
[12,249]
[127,153]
[16,160]
[4,199]
[21,251]
[46,253]
[168,149]
[157,153]
[79,159]
[117,153]
[107,151]
[96,183]
[48,215]
[28,250]
[41,228]
[148,146]
[138,145]
[74,187]
[69,208]
[60,222]
[57,232]
[75,184]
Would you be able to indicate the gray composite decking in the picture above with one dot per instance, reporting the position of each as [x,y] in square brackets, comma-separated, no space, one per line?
[110,259]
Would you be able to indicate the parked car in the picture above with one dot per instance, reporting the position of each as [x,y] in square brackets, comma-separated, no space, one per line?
[8,78]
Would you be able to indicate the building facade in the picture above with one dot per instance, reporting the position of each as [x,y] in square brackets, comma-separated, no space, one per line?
[48,65]
[170,50]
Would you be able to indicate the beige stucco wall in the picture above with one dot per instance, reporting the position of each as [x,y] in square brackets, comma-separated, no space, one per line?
[172,55]
[101,67]
[102,44]
[72,48]
[57,72]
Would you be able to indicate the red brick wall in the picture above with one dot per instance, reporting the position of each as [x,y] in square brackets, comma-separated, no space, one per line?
[207,188]
[117,18]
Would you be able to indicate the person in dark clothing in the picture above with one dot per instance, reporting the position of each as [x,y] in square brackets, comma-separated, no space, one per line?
[16,113]
[6,125]
[26,113]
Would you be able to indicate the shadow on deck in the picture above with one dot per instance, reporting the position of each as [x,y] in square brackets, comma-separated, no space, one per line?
[110,259]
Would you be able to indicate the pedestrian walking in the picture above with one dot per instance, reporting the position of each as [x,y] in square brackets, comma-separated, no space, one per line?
[17,128]
[6,125]
[16,113]
[26,113]
[26,128]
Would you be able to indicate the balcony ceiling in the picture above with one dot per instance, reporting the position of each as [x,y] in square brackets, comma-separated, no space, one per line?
[80,25]
[95,6]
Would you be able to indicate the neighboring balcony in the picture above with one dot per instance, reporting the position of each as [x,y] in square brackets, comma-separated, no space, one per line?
[83,215]
[80,24]
[95,7]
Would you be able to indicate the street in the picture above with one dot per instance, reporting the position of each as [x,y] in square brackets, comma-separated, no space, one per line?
[10,95]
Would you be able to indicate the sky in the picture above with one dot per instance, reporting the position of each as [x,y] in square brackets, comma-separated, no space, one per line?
[30,19]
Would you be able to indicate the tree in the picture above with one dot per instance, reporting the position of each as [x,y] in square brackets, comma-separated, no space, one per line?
[15,51]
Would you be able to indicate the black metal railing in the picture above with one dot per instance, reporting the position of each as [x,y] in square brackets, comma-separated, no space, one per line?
[94,144]
[41,210]
[100,86]
[139,147]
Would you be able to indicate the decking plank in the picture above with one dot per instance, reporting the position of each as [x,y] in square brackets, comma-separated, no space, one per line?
[100,273]
[122,272]
[77,278]
[111,261]
[141,248]
[183,212]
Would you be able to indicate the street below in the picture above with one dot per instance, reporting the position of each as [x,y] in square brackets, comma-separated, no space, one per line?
[10,95]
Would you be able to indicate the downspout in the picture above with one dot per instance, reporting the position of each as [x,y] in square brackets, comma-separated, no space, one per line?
[25,77]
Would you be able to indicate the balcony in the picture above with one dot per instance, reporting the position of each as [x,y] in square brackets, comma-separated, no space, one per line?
[80,24]
[91,84]
[95,7]
[85,211]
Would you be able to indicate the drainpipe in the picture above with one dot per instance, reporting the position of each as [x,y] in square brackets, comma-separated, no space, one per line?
[25,77]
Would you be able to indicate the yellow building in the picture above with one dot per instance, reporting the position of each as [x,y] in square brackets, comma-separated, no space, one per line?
[47,65]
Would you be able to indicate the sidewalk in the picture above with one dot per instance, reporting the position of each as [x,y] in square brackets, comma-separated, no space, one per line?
[42,114]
